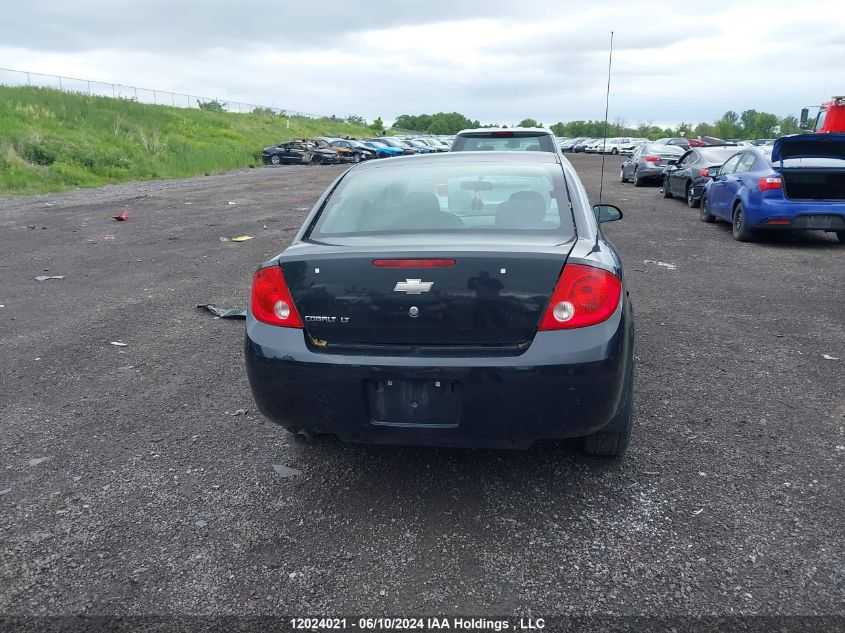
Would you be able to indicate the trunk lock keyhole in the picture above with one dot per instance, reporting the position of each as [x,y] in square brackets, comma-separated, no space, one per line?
[414,312]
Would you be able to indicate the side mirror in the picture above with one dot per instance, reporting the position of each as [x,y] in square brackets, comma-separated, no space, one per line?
[805,115]
[712,172]
[607,212]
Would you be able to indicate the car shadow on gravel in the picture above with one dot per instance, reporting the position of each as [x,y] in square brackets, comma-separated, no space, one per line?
[789,239]
[544,453]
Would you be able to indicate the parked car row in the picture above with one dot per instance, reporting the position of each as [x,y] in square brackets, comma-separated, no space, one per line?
[795,183]
[328,150]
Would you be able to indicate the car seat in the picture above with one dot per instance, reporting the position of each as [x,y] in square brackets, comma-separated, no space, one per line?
[522,210]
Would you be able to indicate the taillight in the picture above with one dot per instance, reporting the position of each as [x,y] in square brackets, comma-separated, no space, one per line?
[651,159]
[271,301]
[583,296]
[413,263]
[769,183]
[703,173]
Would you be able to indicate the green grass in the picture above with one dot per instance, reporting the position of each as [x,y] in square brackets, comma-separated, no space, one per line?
[52,140]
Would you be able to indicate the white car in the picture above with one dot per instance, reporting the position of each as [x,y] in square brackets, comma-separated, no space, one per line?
[629,148]
[615,145]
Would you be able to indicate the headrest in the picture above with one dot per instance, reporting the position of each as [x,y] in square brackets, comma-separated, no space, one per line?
[522,210]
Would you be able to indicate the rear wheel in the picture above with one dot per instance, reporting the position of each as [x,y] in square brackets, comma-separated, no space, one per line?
[704,210]
[638,182]
[613,443]
[622,175]
[356,157]
[275,159]
[666,192]
[740,230]
[614,151]
[692,203]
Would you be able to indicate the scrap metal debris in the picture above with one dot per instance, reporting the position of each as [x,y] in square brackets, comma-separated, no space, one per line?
[241,238]
[5,492]
[46,277]
[829,357]
[38,460]
[119,344]
[663,264]
[224,313]
[201,524]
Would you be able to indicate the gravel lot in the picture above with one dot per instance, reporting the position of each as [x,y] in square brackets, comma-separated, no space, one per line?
[140,479]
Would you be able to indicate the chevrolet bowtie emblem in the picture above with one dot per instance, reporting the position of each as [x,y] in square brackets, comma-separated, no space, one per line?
[413,286]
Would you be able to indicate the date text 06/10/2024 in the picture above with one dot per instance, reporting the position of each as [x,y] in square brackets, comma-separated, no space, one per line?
[418,624]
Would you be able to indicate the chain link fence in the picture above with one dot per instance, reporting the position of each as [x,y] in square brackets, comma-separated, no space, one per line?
[9,77]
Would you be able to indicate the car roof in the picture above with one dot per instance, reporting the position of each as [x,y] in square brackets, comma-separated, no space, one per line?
[490,130]
[458,158]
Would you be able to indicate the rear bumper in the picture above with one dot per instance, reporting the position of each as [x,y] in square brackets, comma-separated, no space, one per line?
[643,171]
[566,384]
[805,215]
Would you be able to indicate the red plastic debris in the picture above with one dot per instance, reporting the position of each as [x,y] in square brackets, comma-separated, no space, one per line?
[122,217]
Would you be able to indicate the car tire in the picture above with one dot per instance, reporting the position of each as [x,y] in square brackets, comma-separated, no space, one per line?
[739,227]
[667,193]
[356,157]
[692,203]
[704,210]
[622,175]
[613,443]
[614,151]
[638,182]
[840,235]
[275,159]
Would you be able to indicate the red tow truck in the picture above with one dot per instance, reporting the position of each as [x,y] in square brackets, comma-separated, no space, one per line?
[830,118]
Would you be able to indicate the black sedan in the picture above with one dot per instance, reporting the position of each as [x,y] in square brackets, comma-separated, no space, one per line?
[461,299]
[648,162]
[297,153]
[687,178]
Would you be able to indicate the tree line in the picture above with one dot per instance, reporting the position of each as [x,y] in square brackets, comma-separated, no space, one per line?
[732,125]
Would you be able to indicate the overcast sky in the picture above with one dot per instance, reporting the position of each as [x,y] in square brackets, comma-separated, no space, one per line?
[492,60]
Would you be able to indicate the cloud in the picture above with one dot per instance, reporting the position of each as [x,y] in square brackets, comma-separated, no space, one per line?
[494,60]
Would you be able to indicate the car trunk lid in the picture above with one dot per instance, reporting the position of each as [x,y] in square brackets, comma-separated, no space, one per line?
[462,301]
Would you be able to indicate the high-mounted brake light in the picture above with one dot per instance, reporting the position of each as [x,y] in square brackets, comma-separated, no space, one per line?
[769,183]
[651,159]
[270,299]
[501,134]
[413,263]
[583,296]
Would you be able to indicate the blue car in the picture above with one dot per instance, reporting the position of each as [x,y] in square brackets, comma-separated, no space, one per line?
[796,184]
[383,150]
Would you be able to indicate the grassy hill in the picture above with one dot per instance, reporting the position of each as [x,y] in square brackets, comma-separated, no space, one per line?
[52,140]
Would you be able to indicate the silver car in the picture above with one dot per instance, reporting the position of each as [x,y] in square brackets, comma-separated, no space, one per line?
[648,162]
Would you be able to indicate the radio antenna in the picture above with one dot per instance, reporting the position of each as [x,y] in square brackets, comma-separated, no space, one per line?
[606,110]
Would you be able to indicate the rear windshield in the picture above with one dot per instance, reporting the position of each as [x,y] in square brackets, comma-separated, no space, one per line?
[665,150]
[453,198]
[716,155]
[516,143]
